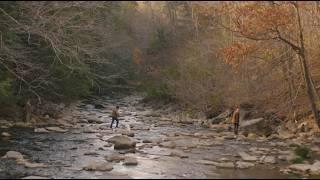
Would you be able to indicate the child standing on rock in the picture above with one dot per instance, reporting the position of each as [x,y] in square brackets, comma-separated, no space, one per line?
[115,115]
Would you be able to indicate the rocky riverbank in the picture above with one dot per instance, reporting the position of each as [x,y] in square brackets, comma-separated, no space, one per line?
[150,143]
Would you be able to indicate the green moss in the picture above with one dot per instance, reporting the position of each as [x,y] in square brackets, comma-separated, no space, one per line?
[297,160]
[303,151]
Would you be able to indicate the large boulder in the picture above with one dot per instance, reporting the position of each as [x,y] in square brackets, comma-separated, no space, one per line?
[122,142]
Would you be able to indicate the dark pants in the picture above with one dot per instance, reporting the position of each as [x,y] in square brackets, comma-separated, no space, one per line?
[236,127]
[114,119]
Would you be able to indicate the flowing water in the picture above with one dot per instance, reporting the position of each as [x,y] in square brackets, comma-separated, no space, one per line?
[64,152]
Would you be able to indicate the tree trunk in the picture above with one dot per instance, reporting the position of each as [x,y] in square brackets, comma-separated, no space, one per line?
[306,71]
[310,93]
[315,90]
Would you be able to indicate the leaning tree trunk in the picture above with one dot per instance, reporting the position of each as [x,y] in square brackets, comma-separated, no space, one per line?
[305,69]
[309,89]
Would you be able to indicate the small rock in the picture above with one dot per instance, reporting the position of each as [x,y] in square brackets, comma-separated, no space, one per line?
[13,155]
[147,141]
[90,154]
[285,170]
[5,134]
[168,144]
[287,157]
[98,166]
[229,137]
[247,157]
[56,129]
[164,119]
[97,121]
[107,145]
[128,133]
[264,149]
[40,130]
[89,106]
[178,154]
[125,151]
[252,136]
[269,159]
[245,143]
[223,159]
[130,161]
[83,121]
[244,165]
[115,157]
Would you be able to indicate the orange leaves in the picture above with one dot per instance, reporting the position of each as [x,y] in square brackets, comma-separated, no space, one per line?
[237,52]
[261,19]
[257,21]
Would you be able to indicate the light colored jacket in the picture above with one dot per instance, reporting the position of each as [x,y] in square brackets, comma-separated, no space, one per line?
[235,116]
[115,113]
